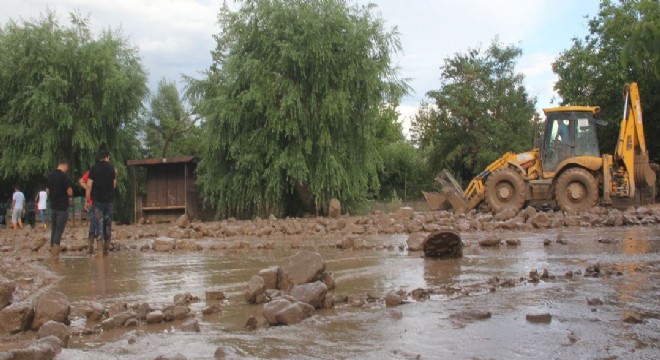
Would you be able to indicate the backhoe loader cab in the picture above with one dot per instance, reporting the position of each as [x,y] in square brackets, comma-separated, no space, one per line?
[569,131]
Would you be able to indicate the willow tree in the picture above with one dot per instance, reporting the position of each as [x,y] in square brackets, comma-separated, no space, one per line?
[292,104]
[65,93]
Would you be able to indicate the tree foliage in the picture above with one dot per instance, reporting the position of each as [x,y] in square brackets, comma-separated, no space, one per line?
[292,104]
[618,49]
[65,93]
[170,130]
[481,111]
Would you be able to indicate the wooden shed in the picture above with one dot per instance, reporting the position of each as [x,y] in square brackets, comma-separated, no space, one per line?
[166,188]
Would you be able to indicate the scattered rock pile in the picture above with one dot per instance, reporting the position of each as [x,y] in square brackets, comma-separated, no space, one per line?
[293,291]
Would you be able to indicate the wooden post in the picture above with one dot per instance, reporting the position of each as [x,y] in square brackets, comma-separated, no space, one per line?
[185,187]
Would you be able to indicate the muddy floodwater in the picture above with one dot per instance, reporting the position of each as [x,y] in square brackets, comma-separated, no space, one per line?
[430,329]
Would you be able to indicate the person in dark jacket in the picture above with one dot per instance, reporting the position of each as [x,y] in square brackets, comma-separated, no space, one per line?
[61,197]
[100,191]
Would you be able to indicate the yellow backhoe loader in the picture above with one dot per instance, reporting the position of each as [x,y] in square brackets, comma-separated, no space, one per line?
[567,168]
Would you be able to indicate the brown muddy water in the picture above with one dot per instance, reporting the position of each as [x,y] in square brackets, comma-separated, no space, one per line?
[427,330]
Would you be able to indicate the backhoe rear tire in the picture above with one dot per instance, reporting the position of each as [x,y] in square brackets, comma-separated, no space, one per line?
[576,190]
[505,188]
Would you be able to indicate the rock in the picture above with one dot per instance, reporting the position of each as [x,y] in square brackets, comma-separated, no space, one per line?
[270,277]
[443,244]
[312,293]
[183,221]
[7,289]
[569,274]
[185,299]
[212,309]
[506,214]
[490,241]
[393,299]
[16,318]
[163,245]
[301,268]
[294,313]
[632,318]
[190,325]
[606,240]
[561,239]
[43,349]
[541,220]
[255,288]
[177,356]
[528,212]
[540,318]
[416,241]
[513,242]
[219,354]
[594,302]
[334,208]
[38,243]
[51,306]
[143,310]
[329,280]
[272,308]
[57,329]
[471,315]
[94,312]
[404,213]
[251,323]
[545,274]
[155,317]
[347,243]
[215,295]
[181,312]
[546,242]
[118,320]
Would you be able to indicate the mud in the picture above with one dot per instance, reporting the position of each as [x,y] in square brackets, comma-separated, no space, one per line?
[473,307]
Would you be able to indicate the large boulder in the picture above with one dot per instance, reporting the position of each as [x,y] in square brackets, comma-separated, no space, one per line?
[334,208]
[294,313]
[43,349]
[443,244]
[329,280]
[312,293]
[270,277]
[254,292]
[16,318]
[7,288]
[51,306]
[301,268]
[57,329]
[415,241]
[272,308]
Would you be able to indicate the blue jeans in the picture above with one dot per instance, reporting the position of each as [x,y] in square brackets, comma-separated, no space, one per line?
[58,222]
[103,218]
[42,216]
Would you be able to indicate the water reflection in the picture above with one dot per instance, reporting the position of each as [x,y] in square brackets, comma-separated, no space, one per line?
[442,272]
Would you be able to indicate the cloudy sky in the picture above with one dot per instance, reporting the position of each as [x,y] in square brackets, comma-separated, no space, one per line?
[175,36]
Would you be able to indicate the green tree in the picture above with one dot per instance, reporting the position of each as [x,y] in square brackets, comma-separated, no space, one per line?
[615,52]
[170,129]
[66,93]
[292,104]
[481,111]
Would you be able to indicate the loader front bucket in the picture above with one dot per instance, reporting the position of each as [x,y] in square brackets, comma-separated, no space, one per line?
[451,197]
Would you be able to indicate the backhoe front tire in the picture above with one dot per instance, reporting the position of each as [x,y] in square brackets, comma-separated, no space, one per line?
[576,191]
[505,188]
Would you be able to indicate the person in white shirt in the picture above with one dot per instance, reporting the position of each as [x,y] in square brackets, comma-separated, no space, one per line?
[18,208]
[42,205]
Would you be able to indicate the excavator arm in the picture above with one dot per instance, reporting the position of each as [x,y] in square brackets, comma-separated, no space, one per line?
[631,168]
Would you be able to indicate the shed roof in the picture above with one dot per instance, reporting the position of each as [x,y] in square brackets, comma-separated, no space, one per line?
[159,161]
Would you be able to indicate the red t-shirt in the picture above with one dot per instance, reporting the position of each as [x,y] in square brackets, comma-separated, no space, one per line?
[85,179]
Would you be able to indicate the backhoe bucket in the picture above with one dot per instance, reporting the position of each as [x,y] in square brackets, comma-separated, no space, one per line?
[451,196]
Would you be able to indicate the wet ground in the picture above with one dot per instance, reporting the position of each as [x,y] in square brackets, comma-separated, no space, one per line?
[432,329]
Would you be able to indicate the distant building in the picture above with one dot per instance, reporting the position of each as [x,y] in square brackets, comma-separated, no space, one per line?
[167,190]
